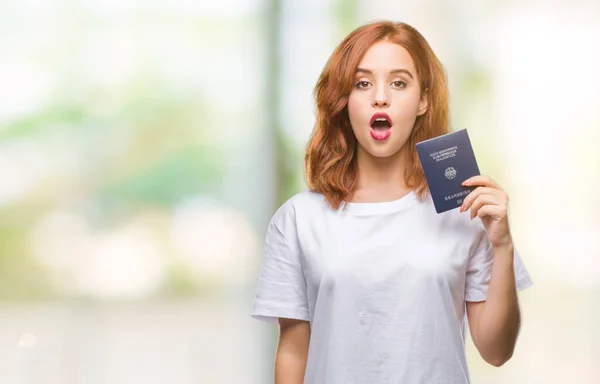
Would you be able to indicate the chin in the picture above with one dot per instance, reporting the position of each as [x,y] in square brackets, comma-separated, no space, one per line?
[382,151]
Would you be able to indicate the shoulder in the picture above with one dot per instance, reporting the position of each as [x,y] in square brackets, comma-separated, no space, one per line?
[302,200]
[453,221]
[301,206]
[456,227]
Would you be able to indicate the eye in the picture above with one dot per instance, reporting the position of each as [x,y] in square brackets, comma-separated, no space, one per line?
[361,84]
[399,84]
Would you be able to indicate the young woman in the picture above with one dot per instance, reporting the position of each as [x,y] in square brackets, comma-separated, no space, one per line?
[368,283]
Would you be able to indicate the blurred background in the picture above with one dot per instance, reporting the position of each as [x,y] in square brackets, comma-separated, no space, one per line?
[144,146]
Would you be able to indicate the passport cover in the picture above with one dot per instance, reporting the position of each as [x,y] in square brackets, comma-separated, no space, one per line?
[447,161]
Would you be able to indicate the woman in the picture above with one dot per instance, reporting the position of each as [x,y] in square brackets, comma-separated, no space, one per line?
[367,282]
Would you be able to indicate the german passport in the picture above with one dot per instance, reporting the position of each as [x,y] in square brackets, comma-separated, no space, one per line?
[447,161]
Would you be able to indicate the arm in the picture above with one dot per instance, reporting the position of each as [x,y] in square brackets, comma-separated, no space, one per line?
[495,323]
[292,351]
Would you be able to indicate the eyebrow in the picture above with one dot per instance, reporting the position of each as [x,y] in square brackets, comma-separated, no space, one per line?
[392,72]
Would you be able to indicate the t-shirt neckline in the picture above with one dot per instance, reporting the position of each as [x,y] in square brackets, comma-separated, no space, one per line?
[402,203]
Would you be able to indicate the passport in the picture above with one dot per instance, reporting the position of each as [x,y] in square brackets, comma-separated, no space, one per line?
[447,161]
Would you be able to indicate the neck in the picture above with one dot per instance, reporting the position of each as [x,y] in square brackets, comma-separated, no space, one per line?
[380,178]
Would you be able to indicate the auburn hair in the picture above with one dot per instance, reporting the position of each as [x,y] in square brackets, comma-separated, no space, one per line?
[330,159]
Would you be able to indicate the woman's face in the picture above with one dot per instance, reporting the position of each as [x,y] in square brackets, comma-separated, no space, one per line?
[385,99]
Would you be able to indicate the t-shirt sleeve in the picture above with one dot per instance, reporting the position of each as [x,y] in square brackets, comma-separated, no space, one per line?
[479,270]
[281,287]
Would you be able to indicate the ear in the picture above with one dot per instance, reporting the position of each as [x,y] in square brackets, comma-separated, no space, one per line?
[423,103]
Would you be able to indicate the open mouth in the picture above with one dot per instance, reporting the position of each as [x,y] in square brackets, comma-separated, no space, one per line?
[380,126]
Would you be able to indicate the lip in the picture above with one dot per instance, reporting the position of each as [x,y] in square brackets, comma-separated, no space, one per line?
[379,115]
[379,135]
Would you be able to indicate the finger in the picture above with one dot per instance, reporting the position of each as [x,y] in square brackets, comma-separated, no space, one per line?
[482,180]
[496,211]
[478,192]
[483,201]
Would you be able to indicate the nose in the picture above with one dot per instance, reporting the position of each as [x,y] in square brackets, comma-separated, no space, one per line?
[380,98]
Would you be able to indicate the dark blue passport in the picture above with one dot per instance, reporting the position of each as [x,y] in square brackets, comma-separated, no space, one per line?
[447,161]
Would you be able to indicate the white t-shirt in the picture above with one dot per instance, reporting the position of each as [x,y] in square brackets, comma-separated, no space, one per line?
[383,286]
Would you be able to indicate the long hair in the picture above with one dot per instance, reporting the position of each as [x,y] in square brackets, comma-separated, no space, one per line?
[330,160]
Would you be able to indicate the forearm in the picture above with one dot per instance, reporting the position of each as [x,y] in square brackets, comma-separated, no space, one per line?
[292,351]
[289,367]
[500,317]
